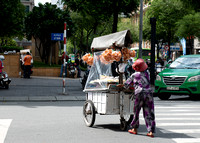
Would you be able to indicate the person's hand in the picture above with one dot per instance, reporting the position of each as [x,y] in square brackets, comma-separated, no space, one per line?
[120,85]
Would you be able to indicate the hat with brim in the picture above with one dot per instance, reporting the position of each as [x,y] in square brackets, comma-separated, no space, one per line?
[139,65]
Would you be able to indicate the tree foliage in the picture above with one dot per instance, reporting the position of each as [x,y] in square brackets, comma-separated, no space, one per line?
[96,18]
[125,23]
[189,26]
[192,4]
[167,13]
[103,9]
[43,21]
[12,16]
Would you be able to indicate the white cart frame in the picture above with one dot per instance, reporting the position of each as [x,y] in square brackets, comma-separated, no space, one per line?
[108,102]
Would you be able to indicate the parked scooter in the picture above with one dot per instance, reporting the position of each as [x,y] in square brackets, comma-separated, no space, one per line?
[4,80]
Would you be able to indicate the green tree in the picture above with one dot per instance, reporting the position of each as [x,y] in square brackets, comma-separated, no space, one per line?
[103,9]
[43,21]
[86,29]
[188,27]
[12,17]
[125,23]
[192,4]
[167,13]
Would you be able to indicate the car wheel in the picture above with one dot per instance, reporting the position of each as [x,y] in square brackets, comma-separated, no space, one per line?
[194,97]
[164,96]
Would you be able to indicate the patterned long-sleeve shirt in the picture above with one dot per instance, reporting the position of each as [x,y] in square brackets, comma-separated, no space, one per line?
[140,80]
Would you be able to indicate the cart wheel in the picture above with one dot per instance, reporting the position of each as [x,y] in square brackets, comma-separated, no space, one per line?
[89,113]
[123,125]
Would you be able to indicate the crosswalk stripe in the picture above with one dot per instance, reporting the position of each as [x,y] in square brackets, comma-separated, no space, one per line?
[4,125]
[187,118]
[178,114]
[179,107]
[176,119]
[187,131]
[187,140]
[183,110]
[178,124]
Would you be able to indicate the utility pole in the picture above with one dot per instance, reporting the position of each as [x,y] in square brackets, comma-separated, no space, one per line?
[140,31]
[153,42]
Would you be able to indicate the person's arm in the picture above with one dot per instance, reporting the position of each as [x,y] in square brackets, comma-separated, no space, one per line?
[128,82]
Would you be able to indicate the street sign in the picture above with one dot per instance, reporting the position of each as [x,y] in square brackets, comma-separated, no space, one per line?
[57,36]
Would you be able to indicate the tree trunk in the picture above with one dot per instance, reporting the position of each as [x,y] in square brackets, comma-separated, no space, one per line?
[190,44]
[115,16]
[169,51]
[81,40]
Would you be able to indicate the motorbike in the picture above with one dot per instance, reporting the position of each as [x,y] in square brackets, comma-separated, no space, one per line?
[4,80]
[72,69]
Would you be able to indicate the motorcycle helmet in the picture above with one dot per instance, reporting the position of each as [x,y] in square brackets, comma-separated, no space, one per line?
[139,65]
[2,57]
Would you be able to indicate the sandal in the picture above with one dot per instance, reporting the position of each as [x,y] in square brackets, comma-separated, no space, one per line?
[132,131]
[150,134]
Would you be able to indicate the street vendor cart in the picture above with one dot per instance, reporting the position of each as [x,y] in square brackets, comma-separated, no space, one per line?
[102,94]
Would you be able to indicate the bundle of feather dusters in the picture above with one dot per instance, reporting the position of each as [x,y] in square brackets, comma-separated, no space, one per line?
[108,56]
[88,59]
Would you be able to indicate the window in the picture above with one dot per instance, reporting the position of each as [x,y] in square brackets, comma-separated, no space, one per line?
[27,9]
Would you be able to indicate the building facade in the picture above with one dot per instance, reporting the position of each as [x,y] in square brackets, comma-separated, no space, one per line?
[29,4]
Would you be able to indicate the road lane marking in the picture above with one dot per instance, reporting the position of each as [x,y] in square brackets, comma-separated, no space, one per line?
[187,140]
[178,124]
[179,107]
[178,114]
[4,125]
[187,131]
[175,119]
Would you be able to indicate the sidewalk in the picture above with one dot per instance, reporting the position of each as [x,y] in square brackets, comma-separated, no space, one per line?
[39,89]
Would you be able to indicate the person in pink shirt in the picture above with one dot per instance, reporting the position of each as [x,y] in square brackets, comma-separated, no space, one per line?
[1,65]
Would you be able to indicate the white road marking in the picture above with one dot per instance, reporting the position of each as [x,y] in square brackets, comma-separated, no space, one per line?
[187,131]
[187,118]
[175,119]
[177,114]
[178,124]
[187,140]
[179,107]
[4,125]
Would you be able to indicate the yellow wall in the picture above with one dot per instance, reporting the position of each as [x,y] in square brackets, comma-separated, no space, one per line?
[12,65]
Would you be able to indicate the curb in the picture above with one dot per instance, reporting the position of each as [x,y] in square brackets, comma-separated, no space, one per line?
[41,98]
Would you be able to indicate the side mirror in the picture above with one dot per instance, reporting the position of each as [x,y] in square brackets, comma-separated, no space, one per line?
[167,65]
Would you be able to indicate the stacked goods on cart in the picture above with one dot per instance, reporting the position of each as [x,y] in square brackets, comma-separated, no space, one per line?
[100,74]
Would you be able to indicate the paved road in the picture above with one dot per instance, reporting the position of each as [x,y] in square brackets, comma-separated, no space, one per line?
[42,89]
[177,121]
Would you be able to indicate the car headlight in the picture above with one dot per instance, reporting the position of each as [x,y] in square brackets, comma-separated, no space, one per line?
[194,78]
[158,78]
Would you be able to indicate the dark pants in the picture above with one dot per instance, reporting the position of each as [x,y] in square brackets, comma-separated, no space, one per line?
[27,71]
[79,71]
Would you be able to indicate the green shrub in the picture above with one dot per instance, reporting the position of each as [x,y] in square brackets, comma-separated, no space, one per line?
[41,64]
[11,48]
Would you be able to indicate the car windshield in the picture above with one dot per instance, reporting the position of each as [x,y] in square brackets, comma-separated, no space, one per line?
[186,63]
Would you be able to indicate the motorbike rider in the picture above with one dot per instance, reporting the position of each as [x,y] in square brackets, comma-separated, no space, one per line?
[27,65]
[77,66]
